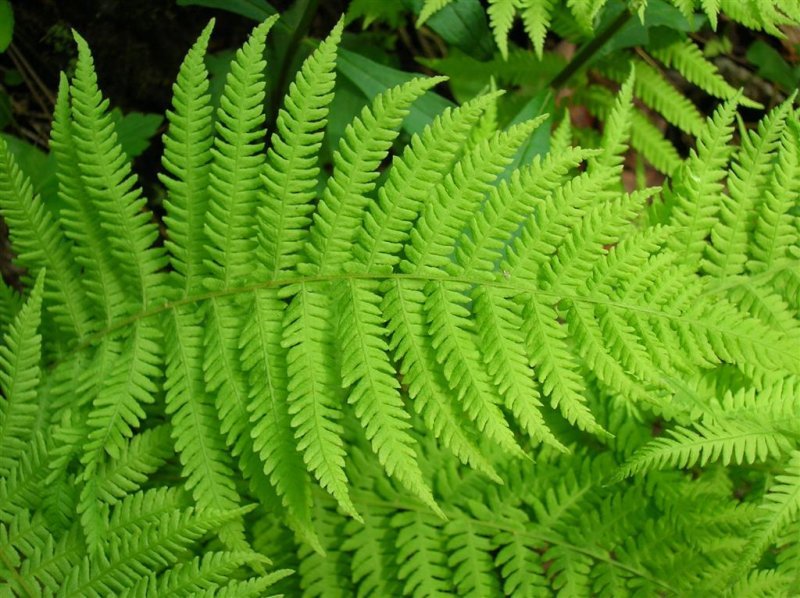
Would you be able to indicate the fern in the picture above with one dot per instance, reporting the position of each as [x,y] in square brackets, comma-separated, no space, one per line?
[442,381]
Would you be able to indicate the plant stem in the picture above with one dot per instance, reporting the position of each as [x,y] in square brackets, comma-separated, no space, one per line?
[588,51]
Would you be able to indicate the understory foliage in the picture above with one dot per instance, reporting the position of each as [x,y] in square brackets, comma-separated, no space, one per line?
[652,36]
[462,378]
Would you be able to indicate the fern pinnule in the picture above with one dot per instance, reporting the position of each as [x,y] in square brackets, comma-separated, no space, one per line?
[187,159]
[421,554]
[198,440]
[424,164]
[19,379]
[10,303]
[80,219]
[373,387]
[366,142]
[687,58]
[499,323]
[697,193]
[373,558]
[314,393]
[775,230]
[454,342]
[40,244]
[237,162]
[536,15]
[501,15]
[291,170]
[113,188]
[427,385]
[264,362]
[580,249]
[481,244]
[616,132]
[727,254]
[458,196]
[554,364]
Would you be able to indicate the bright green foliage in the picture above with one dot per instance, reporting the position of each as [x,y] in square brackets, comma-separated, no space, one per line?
[536,14]
[463,378]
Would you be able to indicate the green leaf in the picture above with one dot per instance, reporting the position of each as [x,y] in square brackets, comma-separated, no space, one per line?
[6,24]
[538,143]
[463,25]
[772,66]
[134,130]
[373,78]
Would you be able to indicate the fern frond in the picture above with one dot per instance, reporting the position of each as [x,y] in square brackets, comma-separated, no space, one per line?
[697,196]
[187,159]
[412,178]
[687,58]
[536,16]
[727,254]
[782,509]
[501,18]
[81,220]
[143,455]
[237,162]
[195,427]
[40,244]
[427,385]
[374,389]
[363,147]
[19,378]
[313,393]
[132,381]
[111,185]
[291,169]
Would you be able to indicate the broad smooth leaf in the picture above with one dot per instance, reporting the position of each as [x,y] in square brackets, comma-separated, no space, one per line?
[463,24]
[6,24]
[135,129]
[373,78]
[258,10]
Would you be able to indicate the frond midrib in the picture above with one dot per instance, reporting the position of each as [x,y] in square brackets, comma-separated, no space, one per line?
[422,278]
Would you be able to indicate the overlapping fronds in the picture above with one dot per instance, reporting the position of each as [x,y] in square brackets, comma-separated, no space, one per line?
[536,15]
[398,368]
